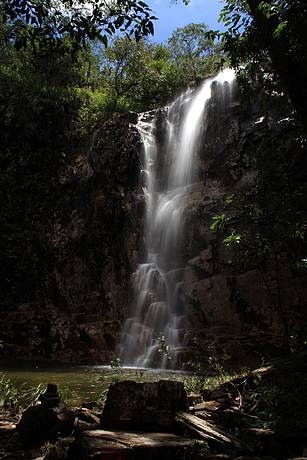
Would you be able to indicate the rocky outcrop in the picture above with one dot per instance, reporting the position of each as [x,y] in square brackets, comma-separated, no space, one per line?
[88,251]
[149,406]
[232,310]
[67,288]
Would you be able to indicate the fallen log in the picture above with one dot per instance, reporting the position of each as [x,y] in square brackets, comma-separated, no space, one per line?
[206,430]
[210,406]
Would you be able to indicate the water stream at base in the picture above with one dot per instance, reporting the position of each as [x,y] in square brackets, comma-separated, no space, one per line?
[154,336]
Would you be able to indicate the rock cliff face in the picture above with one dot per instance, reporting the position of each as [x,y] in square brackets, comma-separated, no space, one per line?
[233,311]
[92,242]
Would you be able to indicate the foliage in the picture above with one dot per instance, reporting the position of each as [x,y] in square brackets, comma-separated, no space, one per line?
[14,398]
[265,223]
[8,394]
[208,369]
[264,220]
[116,364]
[163,347]
[32,21]
[218,222]
[141,75]
[39,112]
[136,75]
[195,52]
[264,400]
[197,450]
[202,380]
[117,369]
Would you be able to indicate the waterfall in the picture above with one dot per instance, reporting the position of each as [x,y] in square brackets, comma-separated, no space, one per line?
[155,333]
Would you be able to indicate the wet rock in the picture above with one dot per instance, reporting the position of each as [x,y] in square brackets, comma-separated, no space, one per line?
[203,264]
[89,243]
[144,406]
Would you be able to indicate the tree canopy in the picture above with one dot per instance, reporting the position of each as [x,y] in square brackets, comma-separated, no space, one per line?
[80,20]
[271,33]
[197,53]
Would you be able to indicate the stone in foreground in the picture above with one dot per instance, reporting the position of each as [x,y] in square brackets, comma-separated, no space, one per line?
[143,406]
[121,445]
[39,424]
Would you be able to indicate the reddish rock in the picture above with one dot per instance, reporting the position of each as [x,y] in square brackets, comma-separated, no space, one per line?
[144,406]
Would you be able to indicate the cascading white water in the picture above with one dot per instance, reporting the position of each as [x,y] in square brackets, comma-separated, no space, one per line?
[155,332]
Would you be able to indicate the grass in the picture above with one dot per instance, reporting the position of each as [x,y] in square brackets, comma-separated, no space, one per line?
[201,381]
[13,399]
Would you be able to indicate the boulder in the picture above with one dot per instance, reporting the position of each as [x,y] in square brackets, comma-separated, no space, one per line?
[120,445]
[39,424]
[145,406]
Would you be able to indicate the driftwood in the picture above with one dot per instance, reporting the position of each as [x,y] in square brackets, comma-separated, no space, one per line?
[210,406]
[206,430]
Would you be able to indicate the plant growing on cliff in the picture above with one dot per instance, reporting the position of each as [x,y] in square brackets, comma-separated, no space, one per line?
[164,348]
[265,223]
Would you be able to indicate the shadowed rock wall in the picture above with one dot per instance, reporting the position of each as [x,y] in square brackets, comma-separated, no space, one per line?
[230,309]
[89,248]
[90,243]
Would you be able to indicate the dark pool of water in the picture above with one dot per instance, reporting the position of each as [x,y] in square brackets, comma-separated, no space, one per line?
[78,384]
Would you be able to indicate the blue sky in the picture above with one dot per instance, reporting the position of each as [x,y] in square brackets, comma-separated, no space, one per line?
[173,15]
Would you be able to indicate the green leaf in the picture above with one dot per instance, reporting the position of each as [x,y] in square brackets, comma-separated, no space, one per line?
[232,239]
[218,222]
[280,29]
[230,199]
